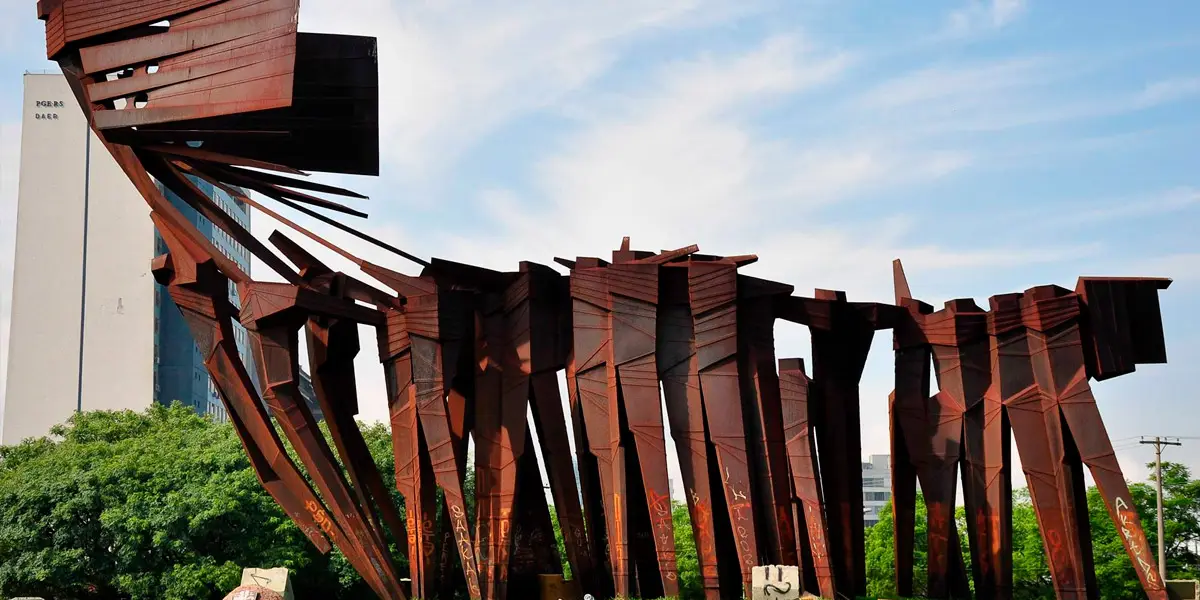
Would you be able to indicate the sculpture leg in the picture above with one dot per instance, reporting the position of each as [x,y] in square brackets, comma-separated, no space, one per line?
[276,350]
[799,402]
[639,386]
[904,501]
[1036,429]
[685,412]
[406,433]
[550,422]
[1083,417]
[722,405]
[997,443]
[331,359]
[428,383]
[764,424]
[274,469]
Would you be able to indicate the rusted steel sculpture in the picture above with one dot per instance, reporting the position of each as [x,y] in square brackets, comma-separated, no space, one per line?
[228,92]
[795,389]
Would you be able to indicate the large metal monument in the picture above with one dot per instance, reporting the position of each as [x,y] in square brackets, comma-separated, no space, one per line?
[227,91]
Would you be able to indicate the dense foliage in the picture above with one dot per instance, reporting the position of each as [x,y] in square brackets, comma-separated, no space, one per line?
[160,504]
[1031,574]
[163,504]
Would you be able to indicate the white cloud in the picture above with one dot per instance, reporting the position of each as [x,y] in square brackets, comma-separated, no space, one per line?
[453,72]
[1171,201]
[1168,90]
[980,16]
[1183,267]
[959,84]
[680,161]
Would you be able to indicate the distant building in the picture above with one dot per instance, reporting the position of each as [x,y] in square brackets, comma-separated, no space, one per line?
[179,371]
[877,486]
[310,396]
[90,328]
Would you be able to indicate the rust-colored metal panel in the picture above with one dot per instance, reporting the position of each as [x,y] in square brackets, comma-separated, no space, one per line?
[424,318]
[712,289]
[273,313]
[594,380]
[201,293]
[958,337]
[1123,326]
[841,339]
[927,431]
[678,371]
[634,295]
[763,411]
[794,387]
[1052,316]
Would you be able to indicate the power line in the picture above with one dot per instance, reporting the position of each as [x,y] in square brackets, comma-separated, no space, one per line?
[1158,443]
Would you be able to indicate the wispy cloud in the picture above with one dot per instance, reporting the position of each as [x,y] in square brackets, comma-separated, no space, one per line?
[982,16]
[1168,90]
[1171,201]
[677,154]
[454,72]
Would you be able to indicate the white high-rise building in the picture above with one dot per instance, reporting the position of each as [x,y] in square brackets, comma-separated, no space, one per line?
[90,329]
[82,322]
[877,486]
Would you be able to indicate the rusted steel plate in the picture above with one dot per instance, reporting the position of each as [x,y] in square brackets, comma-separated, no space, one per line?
[841,339]
[958,337]
[1052,316]
[679,373]
[594,380]
[712,290]
[273,313]
[550,341]
[202,296]
[1052,479]
[332,347]
[633,289]
[927,432]
[794,387]
[764,416]
[423,319]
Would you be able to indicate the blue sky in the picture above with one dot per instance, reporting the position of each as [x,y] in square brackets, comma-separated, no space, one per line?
[991,145]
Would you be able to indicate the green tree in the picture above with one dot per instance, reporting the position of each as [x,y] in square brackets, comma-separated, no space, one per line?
[686,559]
[1181,508]
[160,504]
[881,564]
[1031,576]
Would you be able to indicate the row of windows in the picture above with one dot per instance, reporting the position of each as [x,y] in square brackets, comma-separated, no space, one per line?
[876,496]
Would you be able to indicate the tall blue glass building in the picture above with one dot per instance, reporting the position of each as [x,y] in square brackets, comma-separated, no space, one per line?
[179,371]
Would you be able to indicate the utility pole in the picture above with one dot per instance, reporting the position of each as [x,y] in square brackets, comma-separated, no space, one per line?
[1158,443]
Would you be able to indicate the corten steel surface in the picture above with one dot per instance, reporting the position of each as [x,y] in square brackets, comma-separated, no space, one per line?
[764,417]
[927,431]
[712,289]
[228,92]
[795,386]
[678,371]
[841,339]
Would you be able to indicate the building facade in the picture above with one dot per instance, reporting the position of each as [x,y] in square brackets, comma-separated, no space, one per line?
[179,371]
[90,328]
[877,486]
[82,322]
